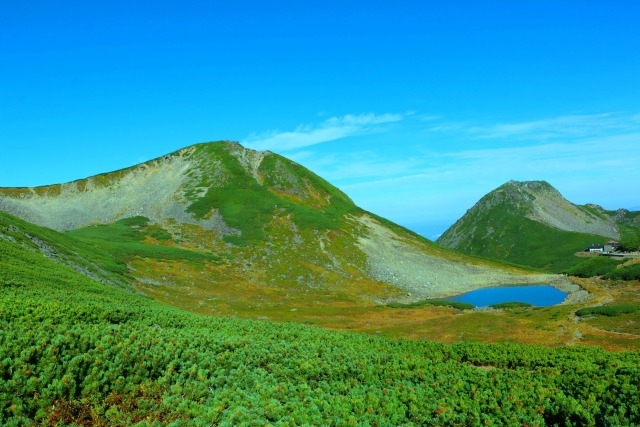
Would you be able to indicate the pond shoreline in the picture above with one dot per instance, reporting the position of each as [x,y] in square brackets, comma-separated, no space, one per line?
[576,294]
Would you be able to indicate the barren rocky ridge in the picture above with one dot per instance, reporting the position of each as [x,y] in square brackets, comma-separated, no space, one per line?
[549,207]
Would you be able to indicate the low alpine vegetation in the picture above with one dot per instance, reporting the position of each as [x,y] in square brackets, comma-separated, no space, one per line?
[77,352]
[608,310]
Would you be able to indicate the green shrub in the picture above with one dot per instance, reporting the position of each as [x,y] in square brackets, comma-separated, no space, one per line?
[608,310]
[433,302]
[631,244]
[596,266]
[631,272]
[515,304]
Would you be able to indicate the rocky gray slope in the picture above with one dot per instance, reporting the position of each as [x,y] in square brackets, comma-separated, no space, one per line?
[393,259]
[549,207]
[153,189]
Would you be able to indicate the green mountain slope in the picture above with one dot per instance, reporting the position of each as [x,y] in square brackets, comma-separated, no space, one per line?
[530,223]
[78,351]
[217,228]
[53,248]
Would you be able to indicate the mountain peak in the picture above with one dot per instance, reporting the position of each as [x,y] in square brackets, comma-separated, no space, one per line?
[519,215]
[529,184]
[531,187]
[187,186]
[541,202]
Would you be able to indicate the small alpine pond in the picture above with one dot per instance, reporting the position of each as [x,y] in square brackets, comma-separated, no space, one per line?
[543,296]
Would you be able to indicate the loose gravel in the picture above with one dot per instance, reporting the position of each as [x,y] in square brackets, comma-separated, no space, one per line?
[395,261]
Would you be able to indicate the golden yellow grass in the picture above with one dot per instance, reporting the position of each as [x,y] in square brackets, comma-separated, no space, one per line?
[219,290]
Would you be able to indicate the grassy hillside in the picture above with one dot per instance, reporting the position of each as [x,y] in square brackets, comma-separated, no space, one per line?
[502,231]
[124,240]
[247,201]
[74,351]
[525,242]
[89,260]
[531,224]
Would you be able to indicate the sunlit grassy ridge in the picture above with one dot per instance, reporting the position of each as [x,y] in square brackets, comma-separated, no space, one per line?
[615,310]
[279,186]
[596,266]
[610,268]
[75,351]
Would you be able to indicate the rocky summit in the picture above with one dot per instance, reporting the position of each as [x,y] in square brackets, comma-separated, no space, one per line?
[217,228]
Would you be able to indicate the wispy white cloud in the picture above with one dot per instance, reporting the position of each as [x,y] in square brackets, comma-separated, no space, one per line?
[433,186]
[331,129]
[417,177]
[363,119]
[591,145]
[611,156]
[593,155]
[569,126]
[428,117]
[357,165]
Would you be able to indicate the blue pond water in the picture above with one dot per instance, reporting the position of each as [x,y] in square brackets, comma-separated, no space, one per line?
[536,295]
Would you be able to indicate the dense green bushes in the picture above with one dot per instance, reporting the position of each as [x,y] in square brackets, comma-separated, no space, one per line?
[509,305]
[596,266]
[65,360]
[608,310]
[630,244]
[607,267]
[77,352]
[631,272]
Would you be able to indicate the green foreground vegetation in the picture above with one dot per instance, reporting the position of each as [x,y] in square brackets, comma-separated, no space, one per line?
[77,352]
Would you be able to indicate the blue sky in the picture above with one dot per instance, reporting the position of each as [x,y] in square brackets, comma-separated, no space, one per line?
[415,109]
